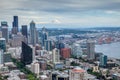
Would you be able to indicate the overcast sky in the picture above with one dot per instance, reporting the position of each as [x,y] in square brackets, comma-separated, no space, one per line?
[77,13]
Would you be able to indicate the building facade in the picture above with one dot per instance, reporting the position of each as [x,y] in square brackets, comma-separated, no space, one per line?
[33,36]
[15,25]
[91,50]
[24,31]
[48,45]
[76,50]
[56,55]
[3,44]
[4,29]
[103,60]
[27,54]
[44,37]
[65,53]
[1,56]
[16,40]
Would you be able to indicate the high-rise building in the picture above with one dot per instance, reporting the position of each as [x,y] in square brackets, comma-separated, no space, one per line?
[35,68]
[15,21]
[103,60]
[65,53]
[7,57]
[15,25]
[76,50]
[0,34]
[56,55]
[33,33]
[91,49]
[76,74]
[4,29]
[3,44]
[44,36]
[48,45]
[16,40]
[24,31]
[4,23]
[59,45]
[43,65]
[1,56]
[37,36]
[27,54]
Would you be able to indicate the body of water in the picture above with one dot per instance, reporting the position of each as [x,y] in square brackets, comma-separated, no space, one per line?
[111,50]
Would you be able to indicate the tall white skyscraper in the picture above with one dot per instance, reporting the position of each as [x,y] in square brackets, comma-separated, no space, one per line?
[1,56]
[91,49]
[33,36]
[56,55]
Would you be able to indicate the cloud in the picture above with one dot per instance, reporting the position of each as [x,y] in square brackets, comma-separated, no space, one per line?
[57,6]
[56,21]
[68,11]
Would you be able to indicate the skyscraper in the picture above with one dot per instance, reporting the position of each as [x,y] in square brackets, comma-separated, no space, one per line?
[56,55]
[1,56]
[4,29]
[4,23]
[59,45]
[24,31]
[103,60]
[65,53]
[7,57]
[48,45]
[44,36]
[15,25]
[37,36]
[33,33]
[17,39]
[27,54]
[3,44]
[76,50]
[91,49]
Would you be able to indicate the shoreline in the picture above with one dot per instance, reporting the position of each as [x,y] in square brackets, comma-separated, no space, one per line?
[111,50]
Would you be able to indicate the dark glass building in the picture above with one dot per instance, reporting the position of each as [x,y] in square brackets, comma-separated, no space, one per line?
[24,31]
[59,45]
[44,37]
[103,60]
[15,25]
[15,21]
[4,23]
[26,55]
[3,44]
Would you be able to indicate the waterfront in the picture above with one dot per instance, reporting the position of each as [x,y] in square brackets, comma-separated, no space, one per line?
[111,50]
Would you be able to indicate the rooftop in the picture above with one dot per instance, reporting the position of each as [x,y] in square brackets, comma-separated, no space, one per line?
[78,69]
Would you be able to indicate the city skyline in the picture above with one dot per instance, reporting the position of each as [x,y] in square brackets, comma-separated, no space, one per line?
[59,14]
